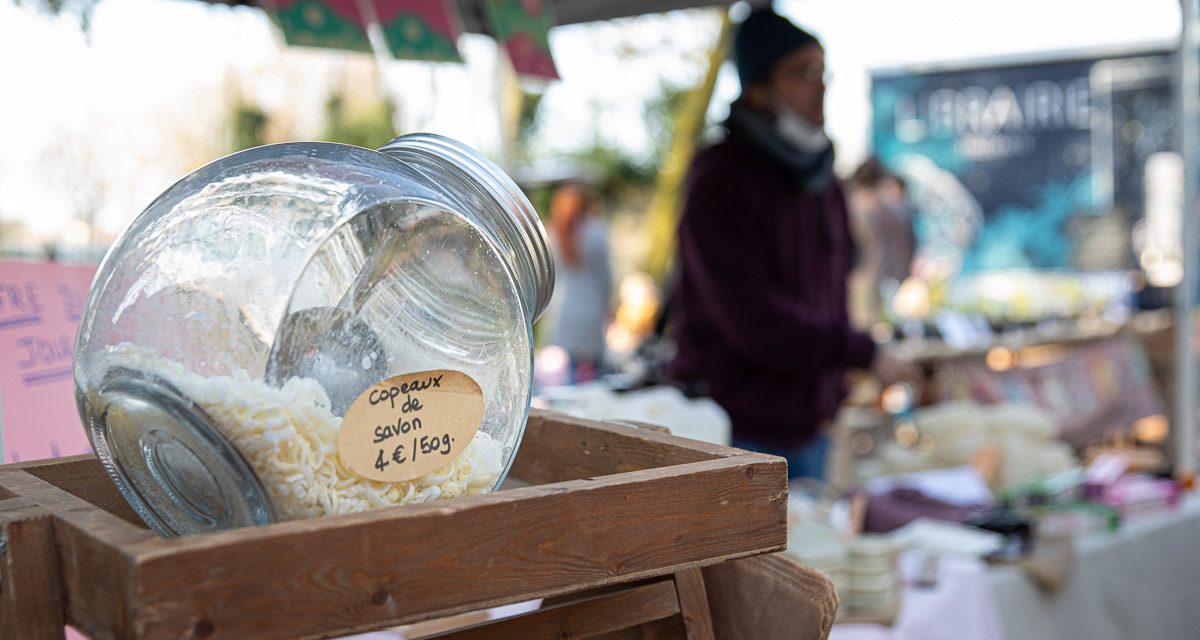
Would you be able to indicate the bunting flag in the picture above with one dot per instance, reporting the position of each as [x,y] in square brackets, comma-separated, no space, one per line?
[420,29]
[523,27]
[414,29]
[332,24]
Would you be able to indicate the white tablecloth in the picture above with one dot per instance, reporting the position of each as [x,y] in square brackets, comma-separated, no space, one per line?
[1137,584]
[961,606]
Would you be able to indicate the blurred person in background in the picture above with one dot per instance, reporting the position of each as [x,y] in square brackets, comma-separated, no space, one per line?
[881,222]
[759,313]
[579,309]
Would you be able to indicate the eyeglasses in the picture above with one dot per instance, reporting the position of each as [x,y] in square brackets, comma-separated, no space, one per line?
[809,73]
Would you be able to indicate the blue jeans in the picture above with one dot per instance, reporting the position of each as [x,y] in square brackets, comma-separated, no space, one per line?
[806,462]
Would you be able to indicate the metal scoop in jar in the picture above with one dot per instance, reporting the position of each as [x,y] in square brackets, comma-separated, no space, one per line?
[334,345]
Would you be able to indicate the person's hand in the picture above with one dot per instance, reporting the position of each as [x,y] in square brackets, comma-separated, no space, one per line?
[891,369]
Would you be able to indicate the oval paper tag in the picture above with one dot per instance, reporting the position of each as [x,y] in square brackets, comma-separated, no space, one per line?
[410,425]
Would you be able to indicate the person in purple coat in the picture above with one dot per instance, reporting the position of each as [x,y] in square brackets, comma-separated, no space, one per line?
[759,311]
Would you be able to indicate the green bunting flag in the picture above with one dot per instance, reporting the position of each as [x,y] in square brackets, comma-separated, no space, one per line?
[523,28]
[414,29]
[420,29]
[332,24]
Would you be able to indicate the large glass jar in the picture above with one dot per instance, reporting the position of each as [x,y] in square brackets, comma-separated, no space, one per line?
[240,317]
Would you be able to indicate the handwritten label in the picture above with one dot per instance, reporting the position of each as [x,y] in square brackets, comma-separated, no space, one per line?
[410,425]
[40,306]
[19,305]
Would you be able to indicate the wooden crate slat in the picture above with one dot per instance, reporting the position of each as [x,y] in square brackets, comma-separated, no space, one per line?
[96,584]
[392,567]
[96,521]
[30,593]
[585,618]
[693,604]
[84,478]
[93,554]
[609,504]
[665,629]
[558,448]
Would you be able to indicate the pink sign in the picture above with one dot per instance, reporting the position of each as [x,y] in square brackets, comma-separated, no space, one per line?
[40,306]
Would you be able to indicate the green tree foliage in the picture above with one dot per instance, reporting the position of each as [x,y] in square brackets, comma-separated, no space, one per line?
[81,10]
[619,171]
[531,99]
[527,122]
[622,171]
[660,113]
[369,126]
[247,124]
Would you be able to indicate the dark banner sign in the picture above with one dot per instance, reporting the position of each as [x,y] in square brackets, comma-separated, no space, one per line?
[1025,166]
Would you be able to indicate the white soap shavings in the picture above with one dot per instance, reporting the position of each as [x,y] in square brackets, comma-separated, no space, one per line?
[288,436]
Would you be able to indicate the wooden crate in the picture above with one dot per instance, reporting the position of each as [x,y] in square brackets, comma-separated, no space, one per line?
[628,511]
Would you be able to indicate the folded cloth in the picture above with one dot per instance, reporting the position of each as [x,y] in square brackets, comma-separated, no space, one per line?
[901,505]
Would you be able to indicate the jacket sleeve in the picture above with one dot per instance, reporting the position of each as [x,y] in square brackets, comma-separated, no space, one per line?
[722,244]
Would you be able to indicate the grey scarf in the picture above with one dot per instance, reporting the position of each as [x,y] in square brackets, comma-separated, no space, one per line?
[812,171]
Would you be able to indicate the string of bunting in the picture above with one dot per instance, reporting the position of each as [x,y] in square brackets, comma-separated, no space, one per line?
[425,30]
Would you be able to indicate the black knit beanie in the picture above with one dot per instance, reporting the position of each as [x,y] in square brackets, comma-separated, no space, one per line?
[763,39]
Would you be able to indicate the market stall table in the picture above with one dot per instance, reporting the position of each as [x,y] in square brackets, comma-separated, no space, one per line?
[961,606]
[1138,582]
